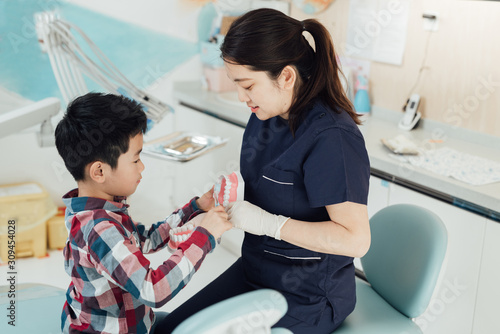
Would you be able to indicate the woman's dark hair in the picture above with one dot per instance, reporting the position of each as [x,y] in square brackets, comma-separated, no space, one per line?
[96,127]
[268,40]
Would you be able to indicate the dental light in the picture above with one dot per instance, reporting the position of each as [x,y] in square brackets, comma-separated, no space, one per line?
[69,61]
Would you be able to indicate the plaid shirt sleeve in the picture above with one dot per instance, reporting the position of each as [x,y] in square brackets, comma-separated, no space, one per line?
[116,257]
[157,236]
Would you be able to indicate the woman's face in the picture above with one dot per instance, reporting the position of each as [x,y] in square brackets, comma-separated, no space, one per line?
[266,98]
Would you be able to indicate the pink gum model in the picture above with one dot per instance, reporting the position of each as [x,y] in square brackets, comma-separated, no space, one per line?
[229,188]
[179,234]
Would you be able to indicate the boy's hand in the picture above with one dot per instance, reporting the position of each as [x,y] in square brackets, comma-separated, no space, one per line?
[215,222]
[206,201]
[196,221]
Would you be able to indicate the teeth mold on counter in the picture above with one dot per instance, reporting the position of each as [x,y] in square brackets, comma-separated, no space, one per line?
[179,234]
[229,188]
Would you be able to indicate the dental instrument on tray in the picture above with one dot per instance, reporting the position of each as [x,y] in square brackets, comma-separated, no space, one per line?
[182,146]
[69,62]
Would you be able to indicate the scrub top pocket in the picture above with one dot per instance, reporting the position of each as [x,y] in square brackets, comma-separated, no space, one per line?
[296,266]
[300,275]
[275,191]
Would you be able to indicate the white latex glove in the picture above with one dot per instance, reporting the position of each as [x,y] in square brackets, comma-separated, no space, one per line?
[252,219]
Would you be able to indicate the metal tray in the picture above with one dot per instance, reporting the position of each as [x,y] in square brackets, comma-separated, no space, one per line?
[182,146]
[187,145]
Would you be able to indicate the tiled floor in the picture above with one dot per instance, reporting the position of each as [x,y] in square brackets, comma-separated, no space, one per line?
[50,271]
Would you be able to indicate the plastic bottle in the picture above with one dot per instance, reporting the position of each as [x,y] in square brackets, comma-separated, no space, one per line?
[361,99]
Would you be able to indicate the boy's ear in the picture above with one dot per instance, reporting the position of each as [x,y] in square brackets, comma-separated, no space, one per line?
[96,171]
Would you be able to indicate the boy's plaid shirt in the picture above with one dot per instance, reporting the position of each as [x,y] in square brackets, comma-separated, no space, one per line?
[112,287]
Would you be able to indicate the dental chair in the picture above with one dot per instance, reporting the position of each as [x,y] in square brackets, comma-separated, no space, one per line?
[401,268]
[38,308]
[253,312]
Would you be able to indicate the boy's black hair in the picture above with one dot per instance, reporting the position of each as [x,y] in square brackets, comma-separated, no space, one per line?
[97,126]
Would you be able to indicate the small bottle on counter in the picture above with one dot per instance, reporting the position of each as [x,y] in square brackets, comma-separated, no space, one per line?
[361,99]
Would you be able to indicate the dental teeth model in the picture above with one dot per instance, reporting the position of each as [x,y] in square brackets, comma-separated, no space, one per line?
[229,188]
[179,234]
[233,190]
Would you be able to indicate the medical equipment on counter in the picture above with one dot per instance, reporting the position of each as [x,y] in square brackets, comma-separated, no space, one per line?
[181,146]
[412,115]
[69,61]
[401,145]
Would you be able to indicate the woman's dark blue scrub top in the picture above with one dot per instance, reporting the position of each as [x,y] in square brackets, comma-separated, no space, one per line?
[326,163]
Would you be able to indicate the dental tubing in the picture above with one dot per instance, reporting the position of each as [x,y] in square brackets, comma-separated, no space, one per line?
[68,60]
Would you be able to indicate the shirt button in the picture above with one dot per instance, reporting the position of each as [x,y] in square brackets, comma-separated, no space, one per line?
[323,114]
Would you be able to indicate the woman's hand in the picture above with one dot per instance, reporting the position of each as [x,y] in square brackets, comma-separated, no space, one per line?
[252,219]
[206,201]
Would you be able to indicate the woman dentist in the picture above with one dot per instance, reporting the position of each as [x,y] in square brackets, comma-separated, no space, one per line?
[306,173]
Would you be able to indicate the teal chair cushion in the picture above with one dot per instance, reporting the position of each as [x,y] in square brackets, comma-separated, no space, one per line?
[251,312]
[402,266]
[38,309]
[405,257]
[373,315]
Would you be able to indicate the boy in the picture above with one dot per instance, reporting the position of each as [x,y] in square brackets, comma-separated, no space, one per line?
[112,287]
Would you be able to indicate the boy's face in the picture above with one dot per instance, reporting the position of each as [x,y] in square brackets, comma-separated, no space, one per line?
[124,179]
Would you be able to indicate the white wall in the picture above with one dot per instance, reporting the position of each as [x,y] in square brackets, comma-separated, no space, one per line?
[173,17]
[461,55]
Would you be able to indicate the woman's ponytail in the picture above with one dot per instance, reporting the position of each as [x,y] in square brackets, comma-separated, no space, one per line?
[324,79]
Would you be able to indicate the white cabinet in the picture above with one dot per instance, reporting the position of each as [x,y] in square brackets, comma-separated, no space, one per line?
[488,293]
[378,196]
[451,309]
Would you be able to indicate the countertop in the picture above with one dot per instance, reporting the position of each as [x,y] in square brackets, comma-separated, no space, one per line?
[483,200]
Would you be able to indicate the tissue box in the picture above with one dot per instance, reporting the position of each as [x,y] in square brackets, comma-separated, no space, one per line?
[24,211]
[56,230]
[31,241]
